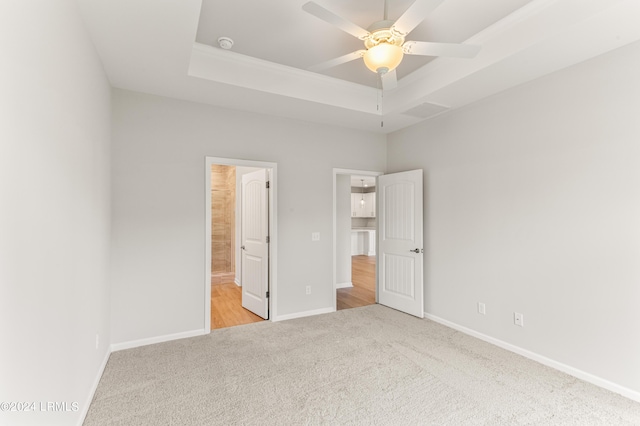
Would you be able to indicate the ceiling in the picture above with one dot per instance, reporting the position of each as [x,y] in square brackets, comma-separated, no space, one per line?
[169,48]
[281,32]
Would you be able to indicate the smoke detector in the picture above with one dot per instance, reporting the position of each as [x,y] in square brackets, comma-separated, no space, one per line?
[225,43]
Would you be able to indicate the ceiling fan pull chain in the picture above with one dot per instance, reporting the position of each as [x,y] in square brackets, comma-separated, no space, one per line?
[379,98]
[381,103]
[381,107]
[378,94]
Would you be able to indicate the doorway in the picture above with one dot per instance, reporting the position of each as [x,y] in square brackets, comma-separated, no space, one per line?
[355,236]
[230,297]
[398,237]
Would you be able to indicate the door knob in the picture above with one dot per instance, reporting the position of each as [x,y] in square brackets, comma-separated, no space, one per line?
[417,250]
[242,247]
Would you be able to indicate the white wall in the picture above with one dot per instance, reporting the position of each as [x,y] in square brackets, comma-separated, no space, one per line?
[343,230]
[533,205]
[159,149]
[54,211]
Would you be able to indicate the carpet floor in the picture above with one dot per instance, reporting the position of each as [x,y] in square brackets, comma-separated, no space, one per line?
[363,366]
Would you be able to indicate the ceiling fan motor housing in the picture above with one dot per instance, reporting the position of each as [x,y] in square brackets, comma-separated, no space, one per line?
[383,32]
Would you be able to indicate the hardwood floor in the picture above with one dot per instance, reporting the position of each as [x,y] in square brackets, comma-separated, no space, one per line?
[226,305]
[226,296]
[363,278]
[227,277]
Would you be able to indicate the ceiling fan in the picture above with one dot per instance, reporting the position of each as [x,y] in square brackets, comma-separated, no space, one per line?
[385,43]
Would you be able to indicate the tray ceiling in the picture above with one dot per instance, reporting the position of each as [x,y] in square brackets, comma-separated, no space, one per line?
[281,32]
[170,49]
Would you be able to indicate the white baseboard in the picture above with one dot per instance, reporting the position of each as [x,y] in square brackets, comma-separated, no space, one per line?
[94,386]
[237,282]
[582,375]
[303,314]
[344,285]
[159,339]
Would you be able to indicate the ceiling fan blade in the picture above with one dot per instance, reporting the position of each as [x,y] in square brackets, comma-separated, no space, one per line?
[330,17]
[414,15]
[427,48]
[389,80]
[337,61]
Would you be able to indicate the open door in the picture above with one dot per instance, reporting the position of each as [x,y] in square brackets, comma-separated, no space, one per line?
[400,251]
[255,243]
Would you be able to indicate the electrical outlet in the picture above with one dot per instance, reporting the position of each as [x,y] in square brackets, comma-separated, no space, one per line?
[481,308]
[315,236]
[518,319]
[308,289]
[97,340]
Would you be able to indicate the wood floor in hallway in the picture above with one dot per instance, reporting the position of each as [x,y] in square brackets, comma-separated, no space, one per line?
[226,305]
[363,278]
[226,296]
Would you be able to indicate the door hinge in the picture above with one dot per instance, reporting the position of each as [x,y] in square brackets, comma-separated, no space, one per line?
[267,295]
[268,239]
[268,186]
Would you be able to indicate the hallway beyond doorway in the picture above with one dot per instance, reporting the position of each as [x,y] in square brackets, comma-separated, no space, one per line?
[363,292]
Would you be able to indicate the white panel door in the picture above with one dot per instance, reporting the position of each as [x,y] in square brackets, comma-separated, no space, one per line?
[400,261]
[255,246]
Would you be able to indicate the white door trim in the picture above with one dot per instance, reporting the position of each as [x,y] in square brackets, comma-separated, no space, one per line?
[337,172]
[273,232]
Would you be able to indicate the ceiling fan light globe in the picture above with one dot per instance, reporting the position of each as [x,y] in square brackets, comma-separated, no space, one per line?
[384,55]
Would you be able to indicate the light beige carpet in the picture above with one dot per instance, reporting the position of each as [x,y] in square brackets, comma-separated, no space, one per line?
[364,366]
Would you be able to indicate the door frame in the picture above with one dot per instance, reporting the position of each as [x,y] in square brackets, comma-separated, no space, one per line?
[272,169]
[350,172]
